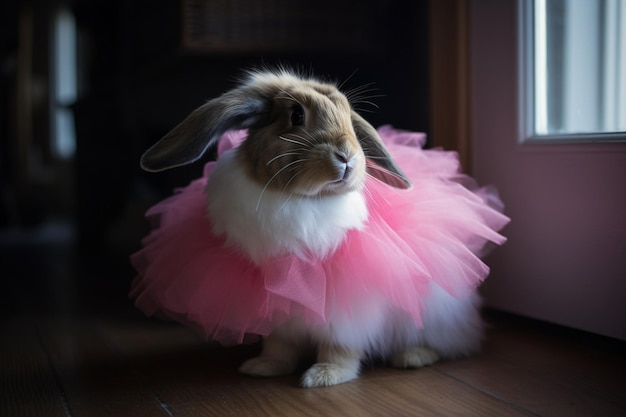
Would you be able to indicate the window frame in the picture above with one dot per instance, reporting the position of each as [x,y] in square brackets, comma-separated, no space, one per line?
[526,91]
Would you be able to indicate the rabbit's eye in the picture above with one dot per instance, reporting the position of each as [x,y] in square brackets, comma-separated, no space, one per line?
[297,115]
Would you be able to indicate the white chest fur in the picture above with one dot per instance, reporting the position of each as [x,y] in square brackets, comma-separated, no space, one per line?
[265,223]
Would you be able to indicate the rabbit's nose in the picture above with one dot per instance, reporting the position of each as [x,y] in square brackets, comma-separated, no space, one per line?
[345,164]
[342,157]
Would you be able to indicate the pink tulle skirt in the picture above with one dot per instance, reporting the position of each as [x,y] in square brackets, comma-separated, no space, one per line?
[434,232]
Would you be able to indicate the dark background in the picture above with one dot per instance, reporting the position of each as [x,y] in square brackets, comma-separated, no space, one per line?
[68,225]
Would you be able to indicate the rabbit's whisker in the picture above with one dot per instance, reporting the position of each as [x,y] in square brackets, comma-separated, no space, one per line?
[360,110]
[297,161]
[308,141]
[359,89]
[290,194]
[340,86]
[292,141]
[362,95]
[281,156]
[362,91]
[371,103]
[311,140]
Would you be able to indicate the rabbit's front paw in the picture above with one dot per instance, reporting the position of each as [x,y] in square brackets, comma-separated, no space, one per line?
[266,366]
[326,374]
[414,357]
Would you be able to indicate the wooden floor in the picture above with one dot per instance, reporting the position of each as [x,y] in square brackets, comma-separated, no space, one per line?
[113,366]
[78,348]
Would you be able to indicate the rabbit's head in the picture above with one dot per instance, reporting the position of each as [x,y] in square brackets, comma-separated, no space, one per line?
[303,137]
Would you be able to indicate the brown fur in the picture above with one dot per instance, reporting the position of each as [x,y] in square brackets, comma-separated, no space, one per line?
[302,159]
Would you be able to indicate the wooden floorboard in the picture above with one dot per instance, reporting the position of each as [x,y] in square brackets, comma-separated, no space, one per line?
[28,384]
[75,365]
[96,380]
[546,375]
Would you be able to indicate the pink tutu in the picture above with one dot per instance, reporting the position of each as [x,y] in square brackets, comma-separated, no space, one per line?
[435,231]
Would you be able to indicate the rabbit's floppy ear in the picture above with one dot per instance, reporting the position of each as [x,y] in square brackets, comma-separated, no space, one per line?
[380,165]
[240,108]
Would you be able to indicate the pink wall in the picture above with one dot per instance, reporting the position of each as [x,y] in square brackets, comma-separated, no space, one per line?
[565,261]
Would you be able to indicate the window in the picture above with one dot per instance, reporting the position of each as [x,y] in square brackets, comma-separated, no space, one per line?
[575,75]
[64,84]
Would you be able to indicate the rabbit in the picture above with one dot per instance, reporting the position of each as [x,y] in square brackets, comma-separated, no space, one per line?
[297,187]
